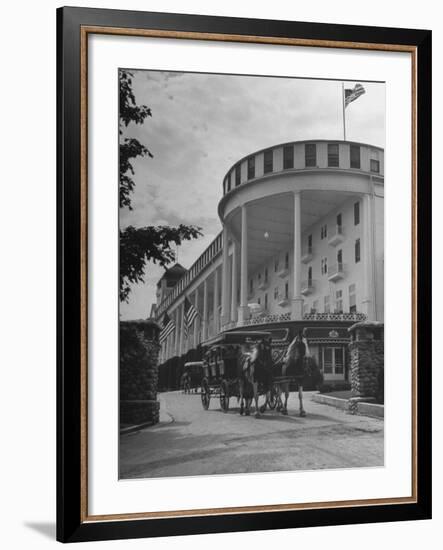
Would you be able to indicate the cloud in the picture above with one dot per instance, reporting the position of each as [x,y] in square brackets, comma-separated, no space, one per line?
[201,124]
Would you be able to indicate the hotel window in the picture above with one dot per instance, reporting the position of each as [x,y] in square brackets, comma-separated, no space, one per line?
[288,157]
[374,162]
[276,293]
[286,290]
[333,155]
[356,213]
[326,305]
[333,360]
[314,307]
[352,299]
[251,168]
[309,244]
[324,266]
[237,175]
[310,276]
[357,250]
[355,156]
[228,182]
[339,223]
[276,266]
[268,161]
[287,260]
[258,301]
[224,187]
[340,260]
[259,278]
[266,301]
[324,232]
[310,155]
[339,301]
[266,275]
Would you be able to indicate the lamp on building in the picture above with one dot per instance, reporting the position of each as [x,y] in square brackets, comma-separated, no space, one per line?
[266,235]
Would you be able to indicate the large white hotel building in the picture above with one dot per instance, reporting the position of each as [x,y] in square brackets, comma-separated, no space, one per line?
[302,246]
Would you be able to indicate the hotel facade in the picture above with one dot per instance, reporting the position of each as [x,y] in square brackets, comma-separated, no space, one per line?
[302,246]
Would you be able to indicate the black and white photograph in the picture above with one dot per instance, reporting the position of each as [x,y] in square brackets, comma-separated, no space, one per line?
[251,285]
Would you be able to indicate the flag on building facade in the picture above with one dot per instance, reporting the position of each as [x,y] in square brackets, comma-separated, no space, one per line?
[190,315]
[168,328]
[351,94]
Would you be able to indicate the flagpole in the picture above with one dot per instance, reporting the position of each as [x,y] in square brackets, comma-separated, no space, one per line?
[343,105]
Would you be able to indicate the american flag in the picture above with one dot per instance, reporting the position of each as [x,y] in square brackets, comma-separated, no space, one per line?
[168,328]
[190,315]
[351,94]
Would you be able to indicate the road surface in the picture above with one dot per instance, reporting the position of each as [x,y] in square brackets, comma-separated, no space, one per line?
[191,441]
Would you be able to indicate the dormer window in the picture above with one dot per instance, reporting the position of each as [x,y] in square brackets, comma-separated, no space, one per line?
[310,155]
[268,161]
[333,159]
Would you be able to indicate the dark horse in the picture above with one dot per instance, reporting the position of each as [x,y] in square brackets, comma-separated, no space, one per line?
[254,369]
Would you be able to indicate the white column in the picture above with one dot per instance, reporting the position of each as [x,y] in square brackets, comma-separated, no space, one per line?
[215,303]
[297,299]
[244,309]
[234,275]
[368,259]
[205,310]
[197,319]
[225,276]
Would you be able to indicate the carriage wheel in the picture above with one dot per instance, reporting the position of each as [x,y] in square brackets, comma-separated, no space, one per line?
[224,396]
[205,395]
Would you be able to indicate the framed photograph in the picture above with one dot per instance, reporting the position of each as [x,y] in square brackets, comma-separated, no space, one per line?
[244,274]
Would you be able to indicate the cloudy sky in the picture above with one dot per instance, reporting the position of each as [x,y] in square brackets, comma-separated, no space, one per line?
[202,124]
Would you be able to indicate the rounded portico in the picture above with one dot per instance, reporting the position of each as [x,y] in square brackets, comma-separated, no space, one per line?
[303,227]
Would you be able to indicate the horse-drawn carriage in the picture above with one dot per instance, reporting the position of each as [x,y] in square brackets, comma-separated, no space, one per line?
[191,377]
[249,365]
[224,368]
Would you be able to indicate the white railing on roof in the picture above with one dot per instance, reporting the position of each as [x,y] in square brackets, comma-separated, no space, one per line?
[197,267]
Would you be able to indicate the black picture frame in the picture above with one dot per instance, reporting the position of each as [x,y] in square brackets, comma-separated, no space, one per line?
[72,525]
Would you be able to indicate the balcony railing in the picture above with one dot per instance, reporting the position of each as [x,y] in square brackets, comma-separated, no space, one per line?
[266,319]
[307,287]
[334,317]
[263,285]
[229,326]
[307,255]
[337,236]
[336,272]
[283,300]
[284,271]
[206,258]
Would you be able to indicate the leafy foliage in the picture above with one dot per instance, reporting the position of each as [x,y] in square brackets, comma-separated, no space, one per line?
[146,244]
[130,148]
[137,246]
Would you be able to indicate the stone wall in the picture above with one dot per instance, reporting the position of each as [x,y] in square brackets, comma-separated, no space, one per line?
[139,352]
[367,360]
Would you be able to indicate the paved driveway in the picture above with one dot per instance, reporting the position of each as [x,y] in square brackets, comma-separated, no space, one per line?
[192,441]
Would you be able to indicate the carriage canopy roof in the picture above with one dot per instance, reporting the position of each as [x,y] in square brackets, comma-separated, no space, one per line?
[238,337]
